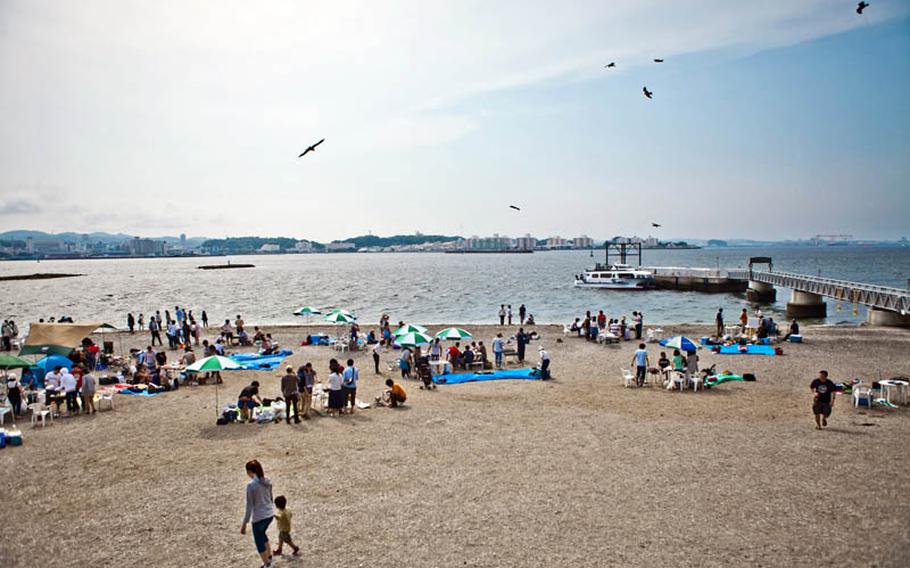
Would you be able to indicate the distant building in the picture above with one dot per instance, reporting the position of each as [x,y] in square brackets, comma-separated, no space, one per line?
[44,245]
[557,242]
[270,247]
[339,247]
[303,246]
[583,242]
[496,242]
[145,247]
[526,242]
[183,241]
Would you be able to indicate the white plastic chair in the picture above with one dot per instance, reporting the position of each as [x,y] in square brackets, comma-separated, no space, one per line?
[567,330]
[677,378]
[628,379]
[39,410]
[106,396]
[860,394]
[4,410]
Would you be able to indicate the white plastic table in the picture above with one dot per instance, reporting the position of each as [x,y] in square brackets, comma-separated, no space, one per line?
[895,388]
[440,367]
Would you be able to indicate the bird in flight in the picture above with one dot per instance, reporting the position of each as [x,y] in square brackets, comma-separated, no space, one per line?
[861,6]
[647,92]
[311,148]
[514,207]
[655,224]
[610,65]
[658,61]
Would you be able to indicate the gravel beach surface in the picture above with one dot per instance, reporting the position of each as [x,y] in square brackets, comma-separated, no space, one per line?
[577,471]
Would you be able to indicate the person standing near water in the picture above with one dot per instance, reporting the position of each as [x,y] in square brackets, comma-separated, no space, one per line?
[502,314]
[509,313]
[141,322]
[130,322]
[639,321]
[521,338]
[823,392]
[259,510]
[377,354]
[640,360]
[291,395]
[497,350]
[154,330]
[349,385]
[205,319]
[719,321]
[522,312]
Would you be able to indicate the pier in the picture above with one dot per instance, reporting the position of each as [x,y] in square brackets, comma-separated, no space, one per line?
[887,306]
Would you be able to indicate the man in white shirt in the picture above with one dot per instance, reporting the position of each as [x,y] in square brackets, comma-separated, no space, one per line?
[52,387]
[68,381]
[377,353]
[544,363]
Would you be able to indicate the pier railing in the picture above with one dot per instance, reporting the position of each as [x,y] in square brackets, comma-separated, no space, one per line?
[881,297]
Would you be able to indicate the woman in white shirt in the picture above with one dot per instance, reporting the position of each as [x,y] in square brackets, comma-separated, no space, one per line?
[336,397]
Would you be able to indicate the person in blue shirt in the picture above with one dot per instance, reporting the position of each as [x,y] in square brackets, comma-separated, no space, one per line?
[349,379]
[640,360]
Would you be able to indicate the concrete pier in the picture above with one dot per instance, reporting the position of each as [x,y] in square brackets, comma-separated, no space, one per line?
[806,305]
[760,293]
[887,318]
[695,279]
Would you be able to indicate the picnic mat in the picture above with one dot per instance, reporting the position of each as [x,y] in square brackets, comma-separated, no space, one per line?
[255,362]
[455,378]
[734,349]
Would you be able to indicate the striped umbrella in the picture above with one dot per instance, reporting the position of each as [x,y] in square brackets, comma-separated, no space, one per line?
[413,339]
[454,334]
[345,312]
[340,317]
[410,328]
[681,343]
[307,311]
[213,363]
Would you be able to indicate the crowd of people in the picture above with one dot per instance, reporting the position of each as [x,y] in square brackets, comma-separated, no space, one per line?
[591,326]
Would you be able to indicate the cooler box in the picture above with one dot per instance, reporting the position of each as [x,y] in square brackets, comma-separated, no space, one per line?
[796,339]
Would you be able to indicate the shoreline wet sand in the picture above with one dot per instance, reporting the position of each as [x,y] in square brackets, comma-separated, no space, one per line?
[577,471]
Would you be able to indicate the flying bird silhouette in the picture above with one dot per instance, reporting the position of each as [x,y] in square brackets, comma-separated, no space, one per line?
[515,208]
[647,92]
[311,148]
[658,61]
[610,65]
[655,224]
[861,6]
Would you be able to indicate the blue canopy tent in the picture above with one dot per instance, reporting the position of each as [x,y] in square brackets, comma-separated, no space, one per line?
[44,366]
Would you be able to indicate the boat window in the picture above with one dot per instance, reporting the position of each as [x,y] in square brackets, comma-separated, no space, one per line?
[626,275]
[595,276]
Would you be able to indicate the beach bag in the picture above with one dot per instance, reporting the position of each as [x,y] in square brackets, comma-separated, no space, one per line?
[221,421]
[748,377]
[778,351]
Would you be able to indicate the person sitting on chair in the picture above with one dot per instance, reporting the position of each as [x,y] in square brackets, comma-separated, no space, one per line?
[467,357]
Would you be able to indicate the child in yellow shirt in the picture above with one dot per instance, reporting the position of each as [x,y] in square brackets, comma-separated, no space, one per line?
[283,520]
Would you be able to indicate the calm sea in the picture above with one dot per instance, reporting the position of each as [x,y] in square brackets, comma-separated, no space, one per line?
[419,288]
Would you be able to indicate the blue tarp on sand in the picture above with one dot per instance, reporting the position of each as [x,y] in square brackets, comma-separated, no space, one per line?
[255,362]
[750,350]
[455,378]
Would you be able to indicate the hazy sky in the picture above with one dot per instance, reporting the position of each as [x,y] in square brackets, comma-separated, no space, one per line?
[769,119]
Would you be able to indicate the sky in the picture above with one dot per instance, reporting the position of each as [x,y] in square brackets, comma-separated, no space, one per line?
[770,120]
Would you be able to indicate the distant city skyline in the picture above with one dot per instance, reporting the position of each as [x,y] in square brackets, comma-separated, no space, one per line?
[770,121]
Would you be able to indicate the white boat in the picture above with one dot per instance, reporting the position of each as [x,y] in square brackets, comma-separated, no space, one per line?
[615,277]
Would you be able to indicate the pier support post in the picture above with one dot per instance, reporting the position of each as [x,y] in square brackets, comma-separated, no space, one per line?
[760,293]
[876,316]
[806,305]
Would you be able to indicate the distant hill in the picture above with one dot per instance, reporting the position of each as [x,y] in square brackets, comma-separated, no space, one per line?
[239,245]
[21,235]
[397,240]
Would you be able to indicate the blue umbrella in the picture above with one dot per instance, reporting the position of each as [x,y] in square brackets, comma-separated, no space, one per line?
[48,363]
[681,343]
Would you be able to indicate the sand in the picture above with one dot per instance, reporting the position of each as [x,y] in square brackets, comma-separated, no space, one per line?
[578,471]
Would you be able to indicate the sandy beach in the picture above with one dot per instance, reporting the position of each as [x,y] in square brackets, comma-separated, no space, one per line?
[577,471]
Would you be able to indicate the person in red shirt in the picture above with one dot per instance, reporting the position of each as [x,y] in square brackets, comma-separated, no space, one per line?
[455,356]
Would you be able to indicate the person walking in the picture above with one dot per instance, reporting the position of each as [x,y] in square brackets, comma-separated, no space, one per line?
[259,510]
[377,355]
[291,395]
[283,520]
[155,331]
[719,322]
[502,314]
[640,361]
[522,312]
[823,399]
[349,385]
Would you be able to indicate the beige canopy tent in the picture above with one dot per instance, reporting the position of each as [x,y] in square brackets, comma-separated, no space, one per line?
[56,338]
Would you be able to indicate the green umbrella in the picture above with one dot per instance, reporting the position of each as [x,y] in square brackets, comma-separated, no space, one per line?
[340,317]
[213,363]
[410,328]
[13,362]
[454,334]
[307,311]
[413,339]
